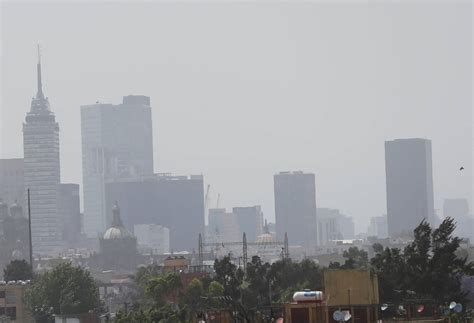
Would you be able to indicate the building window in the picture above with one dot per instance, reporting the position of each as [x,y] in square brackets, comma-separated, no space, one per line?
[10,297]
[11,312]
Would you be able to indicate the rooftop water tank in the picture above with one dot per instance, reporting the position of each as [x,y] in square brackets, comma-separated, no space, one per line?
[308,296]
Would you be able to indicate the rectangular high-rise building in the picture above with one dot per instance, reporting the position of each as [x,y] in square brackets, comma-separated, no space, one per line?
[295,208]
[333,225]
[249,220]
[222,227]
[152,238]
[175,202]
[69,210]
[378,227]
[117,142]
[409,181]
[12,187]
[42,173]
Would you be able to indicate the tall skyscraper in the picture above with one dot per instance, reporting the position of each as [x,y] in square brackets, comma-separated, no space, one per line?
[117,142]
[12,187]
[42,172]
[295,208]
[409,180]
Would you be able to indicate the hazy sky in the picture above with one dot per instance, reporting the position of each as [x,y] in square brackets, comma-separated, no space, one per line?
[242,90]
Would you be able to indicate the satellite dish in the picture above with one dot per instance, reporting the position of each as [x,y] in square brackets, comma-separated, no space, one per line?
[420,308]
[338,316]
[347,316]
[384,307]
[401,310]
[458,308]
[452,305]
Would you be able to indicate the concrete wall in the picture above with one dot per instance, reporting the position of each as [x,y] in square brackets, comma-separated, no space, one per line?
[350,287]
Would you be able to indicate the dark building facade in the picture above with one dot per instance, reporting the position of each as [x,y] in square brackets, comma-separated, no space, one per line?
[117,142]
[409,180]
[118,246]
[176,202]
[42,173]
[295,207]
[250,220]
[12,187]
[14,234]
[69,209]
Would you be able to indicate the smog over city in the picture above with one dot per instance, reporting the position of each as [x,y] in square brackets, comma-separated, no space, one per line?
[236,161]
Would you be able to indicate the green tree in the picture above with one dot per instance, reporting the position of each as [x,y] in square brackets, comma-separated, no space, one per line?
[161,287]
[429,267]
[355,258]
[288,277]
[193,295]
[65,290]
[144,274]
[390,266]
[17,270]
[257,282]
[215,289]
[229,276]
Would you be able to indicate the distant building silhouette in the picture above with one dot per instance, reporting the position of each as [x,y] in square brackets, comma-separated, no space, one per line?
[333,225]
[176,202]
[222,227]
[458,209]
[42,172]
[117,142]
[152,238]
[378,227]
[12,187]
[250,220]
[295,208]
[69,209]
[14,234]
[409,181]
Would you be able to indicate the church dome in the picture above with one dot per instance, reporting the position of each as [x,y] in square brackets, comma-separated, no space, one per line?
[265,238]
[117,230]
[117,233]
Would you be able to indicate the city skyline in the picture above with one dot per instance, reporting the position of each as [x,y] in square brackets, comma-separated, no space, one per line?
[220,156]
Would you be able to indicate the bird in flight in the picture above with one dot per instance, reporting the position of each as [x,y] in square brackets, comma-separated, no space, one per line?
[462,168]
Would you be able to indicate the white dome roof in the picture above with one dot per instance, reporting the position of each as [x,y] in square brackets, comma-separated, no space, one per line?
[117,233]
[117,230]
[266,237]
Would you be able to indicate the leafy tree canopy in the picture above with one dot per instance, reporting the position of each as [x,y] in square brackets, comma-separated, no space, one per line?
[429,267]
[17,270]
[66,290]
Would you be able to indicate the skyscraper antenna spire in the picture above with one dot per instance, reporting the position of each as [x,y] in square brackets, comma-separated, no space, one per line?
[39,94]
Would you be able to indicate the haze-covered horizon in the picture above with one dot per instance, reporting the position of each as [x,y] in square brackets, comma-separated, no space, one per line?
[241,91]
